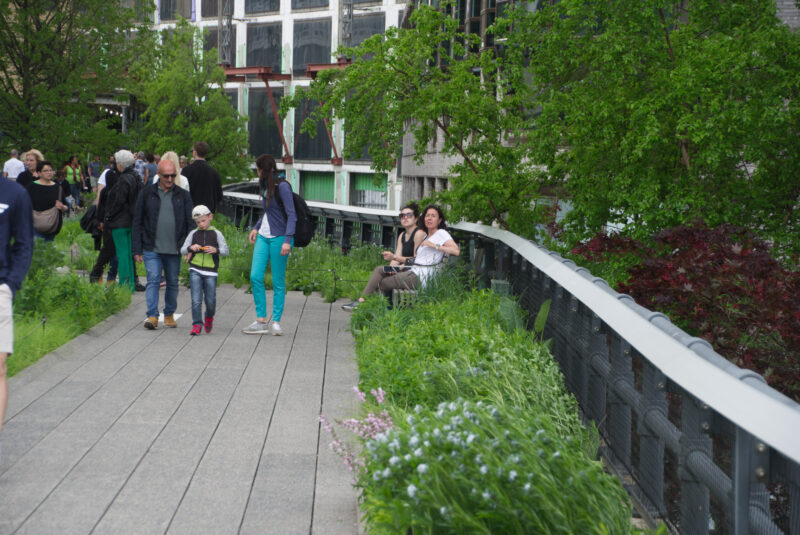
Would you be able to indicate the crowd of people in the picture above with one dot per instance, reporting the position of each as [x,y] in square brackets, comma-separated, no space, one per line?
[157,211]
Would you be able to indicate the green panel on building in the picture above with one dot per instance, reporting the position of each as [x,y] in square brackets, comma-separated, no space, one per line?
[366,181]
[317,185]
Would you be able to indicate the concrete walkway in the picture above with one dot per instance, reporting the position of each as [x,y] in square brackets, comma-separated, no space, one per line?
[124,430]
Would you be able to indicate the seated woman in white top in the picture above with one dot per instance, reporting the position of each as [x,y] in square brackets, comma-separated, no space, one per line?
[429,254]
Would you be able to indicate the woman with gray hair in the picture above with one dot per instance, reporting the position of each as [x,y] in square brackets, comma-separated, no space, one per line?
[121,202]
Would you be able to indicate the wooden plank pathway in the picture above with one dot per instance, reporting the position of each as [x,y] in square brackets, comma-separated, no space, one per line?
[125,430]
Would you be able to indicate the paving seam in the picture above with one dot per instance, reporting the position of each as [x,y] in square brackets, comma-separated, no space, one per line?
[271,415]
[319,424]
[177,408]
[121,312]
[33,511]
[219,421]
[77,407]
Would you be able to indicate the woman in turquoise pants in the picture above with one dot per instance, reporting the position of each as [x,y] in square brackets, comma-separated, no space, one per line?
[273,236]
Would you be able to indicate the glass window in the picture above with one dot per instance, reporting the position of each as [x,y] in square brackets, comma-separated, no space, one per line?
[212,41]
[303,4]
[209,8]
[312,43]
[264,135]
[170,9]
[364,191]
[317,185]
[264,46]
[306,147]
[364,27]
[262,6]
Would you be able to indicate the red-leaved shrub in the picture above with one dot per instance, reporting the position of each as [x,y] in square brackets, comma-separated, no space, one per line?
[720,284]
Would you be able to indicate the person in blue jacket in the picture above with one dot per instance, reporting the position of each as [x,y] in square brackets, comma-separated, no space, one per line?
[273,237]
[16,251]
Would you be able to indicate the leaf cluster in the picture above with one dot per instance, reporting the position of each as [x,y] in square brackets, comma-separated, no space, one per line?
[182,88]
[655,114]
[434,82]
[720,284]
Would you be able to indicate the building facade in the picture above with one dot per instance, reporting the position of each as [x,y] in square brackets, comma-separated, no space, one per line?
[287,36]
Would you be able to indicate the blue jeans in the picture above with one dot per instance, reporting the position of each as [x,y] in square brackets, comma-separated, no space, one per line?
[75,190]
[153,262]
[202,284]
[266,250]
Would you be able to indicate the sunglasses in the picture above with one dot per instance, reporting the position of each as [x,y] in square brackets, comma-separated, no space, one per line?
[406,214]
[167,175]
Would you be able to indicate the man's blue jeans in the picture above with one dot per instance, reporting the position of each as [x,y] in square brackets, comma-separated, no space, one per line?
[202,284]
[153,262]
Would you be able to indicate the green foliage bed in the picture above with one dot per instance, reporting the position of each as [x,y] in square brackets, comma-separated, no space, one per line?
[486,438]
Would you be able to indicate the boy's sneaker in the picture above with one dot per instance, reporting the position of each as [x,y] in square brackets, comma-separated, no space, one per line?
[275,329]
[256,328]
[209,324]
[196,329]
[351,306]
[151,323]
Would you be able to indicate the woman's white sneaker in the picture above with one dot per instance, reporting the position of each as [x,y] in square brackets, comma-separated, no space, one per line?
[276,329]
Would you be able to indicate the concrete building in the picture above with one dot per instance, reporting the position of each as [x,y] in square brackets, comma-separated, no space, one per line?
[286,36]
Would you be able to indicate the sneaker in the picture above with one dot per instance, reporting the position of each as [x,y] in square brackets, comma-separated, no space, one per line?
[275,329]
[169,321]
[256,328]
[196,329]
[151,323]
[139,287]
[209,324]
[351,306]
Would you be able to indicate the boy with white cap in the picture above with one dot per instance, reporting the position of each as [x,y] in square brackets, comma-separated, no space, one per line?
[202,249]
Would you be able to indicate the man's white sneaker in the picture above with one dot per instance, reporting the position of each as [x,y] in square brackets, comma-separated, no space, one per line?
[276,329]
[256,328]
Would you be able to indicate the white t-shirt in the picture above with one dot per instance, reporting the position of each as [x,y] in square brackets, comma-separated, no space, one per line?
[264,230]
[429,256]
[13,167]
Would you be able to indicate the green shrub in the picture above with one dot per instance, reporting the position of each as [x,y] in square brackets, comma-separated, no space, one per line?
[471,467]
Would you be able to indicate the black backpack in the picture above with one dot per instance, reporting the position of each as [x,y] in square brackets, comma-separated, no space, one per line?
[304,230]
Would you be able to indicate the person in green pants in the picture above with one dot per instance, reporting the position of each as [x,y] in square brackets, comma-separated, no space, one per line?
[121,202]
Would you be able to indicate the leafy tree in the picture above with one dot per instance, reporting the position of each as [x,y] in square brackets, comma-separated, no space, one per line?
[433,82]
[669,111]
[182,89]
[56,57]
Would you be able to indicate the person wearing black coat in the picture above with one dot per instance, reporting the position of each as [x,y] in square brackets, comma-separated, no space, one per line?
[119,208]
[205,184]
[161,222]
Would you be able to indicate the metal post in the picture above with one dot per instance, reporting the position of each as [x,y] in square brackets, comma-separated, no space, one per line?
[651,446]
[695,423]
[619,411]
[597,348]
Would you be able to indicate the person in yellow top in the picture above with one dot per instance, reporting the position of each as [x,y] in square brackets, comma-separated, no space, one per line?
[75,179]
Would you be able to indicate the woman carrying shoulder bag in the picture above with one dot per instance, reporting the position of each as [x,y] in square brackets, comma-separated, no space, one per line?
[273,237]
[46,197]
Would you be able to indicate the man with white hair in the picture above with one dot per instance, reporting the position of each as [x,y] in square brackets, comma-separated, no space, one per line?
[120,206]
[13,166]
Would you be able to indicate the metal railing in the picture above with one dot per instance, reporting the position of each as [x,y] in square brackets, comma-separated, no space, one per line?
[698,442]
